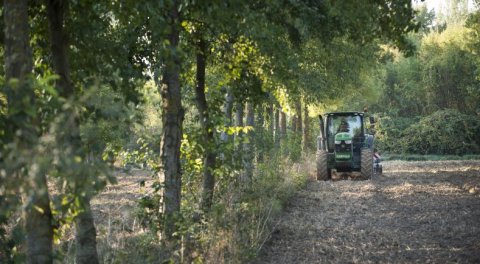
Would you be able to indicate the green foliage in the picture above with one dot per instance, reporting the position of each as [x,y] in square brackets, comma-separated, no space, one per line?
[292,146]
[449,71]
[443,132]
[294,50]
[243,213]
[389,132]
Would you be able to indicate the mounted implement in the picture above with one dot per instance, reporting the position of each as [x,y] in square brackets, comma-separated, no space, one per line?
[344,145]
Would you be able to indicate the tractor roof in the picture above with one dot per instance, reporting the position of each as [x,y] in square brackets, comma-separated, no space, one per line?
[345,113]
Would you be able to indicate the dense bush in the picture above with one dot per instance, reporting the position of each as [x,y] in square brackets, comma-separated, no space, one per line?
[389,132]
[443,132]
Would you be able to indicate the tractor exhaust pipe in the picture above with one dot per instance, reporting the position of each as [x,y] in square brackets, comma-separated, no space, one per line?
[321,138]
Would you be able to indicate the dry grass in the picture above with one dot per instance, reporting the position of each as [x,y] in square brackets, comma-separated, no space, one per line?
[120,237]
[416,212]
[119,233]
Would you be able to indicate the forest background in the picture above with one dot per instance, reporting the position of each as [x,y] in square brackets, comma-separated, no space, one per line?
[219,102]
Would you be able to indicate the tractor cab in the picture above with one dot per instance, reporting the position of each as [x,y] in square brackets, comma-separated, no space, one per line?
[344,144]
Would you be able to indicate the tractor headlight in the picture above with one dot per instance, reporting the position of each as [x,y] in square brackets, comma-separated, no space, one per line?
[338,141]
[348,142]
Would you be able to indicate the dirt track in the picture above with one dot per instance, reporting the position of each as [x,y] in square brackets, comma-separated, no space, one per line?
[416,212]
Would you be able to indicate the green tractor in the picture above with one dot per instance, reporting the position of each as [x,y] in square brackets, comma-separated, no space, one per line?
[344,145]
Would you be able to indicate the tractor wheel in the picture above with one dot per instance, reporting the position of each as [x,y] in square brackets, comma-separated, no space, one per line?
[367,164]
[322,169]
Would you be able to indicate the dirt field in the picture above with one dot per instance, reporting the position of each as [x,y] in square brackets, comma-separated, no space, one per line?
[416,212]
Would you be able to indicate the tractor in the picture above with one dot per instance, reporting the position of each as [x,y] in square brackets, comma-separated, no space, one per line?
[344,145]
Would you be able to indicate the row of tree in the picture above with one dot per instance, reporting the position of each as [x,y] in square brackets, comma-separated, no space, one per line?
[73,71]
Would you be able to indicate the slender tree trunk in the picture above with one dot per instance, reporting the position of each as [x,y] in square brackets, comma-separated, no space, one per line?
[239,114]
[18,55]
[248,146]
[18,64]
[298,110]
[276,135]
[58,45]
[172,128]
[227,110]
[283,133]
[306,127]
[86,235]
[239,123]
[283,124]
[270,119]
[207,126]
[38,220]
[294,124]
[259,128]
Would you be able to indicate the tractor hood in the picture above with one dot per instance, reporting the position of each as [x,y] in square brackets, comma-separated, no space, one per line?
[343,136]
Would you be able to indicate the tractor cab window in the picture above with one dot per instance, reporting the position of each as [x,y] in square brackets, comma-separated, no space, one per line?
[348,124]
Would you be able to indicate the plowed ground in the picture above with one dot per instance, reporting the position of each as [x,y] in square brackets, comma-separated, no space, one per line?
[416,212]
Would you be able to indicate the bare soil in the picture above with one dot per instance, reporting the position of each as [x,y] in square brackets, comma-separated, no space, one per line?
[416,212]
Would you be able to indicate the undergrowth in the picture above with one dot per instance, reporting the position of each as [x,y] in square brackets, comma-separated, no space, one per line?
[416,157]
[240,222]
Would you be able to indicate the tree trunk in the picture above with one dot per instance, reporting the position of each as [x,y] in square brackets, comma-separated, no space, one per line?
[210,155]
[86,235]
[270,120]
[248,146]
[276,135]
[294,124]
[227,110]
[18,64]
[298,110]
[239,123]
[283,124]
[259,128]
[58,43]
[239,114]
[283,133]
[38,220]
[172,128]
[306,127]
[18,55]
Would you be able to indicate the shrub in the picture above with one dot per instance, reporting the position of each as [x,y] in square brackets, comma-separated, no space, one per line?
[389,132]
[443,132]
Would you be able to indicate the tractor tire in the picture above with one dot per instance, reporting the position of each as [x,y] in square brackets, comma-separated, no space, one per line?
[366,169]
[322,168]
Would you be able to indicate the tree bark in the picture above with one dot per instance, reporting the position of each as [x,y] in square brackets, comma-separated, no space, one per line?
[298,110]
[210,155]
[18,64]
[283,124]
[58,45]
[283,133]
[227,110]
[172,128]
[270,119]
[259,128]
[248,146]
[306,127]
[276,132]
[294,124]
[239,123]
[86,235]
[18,54]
